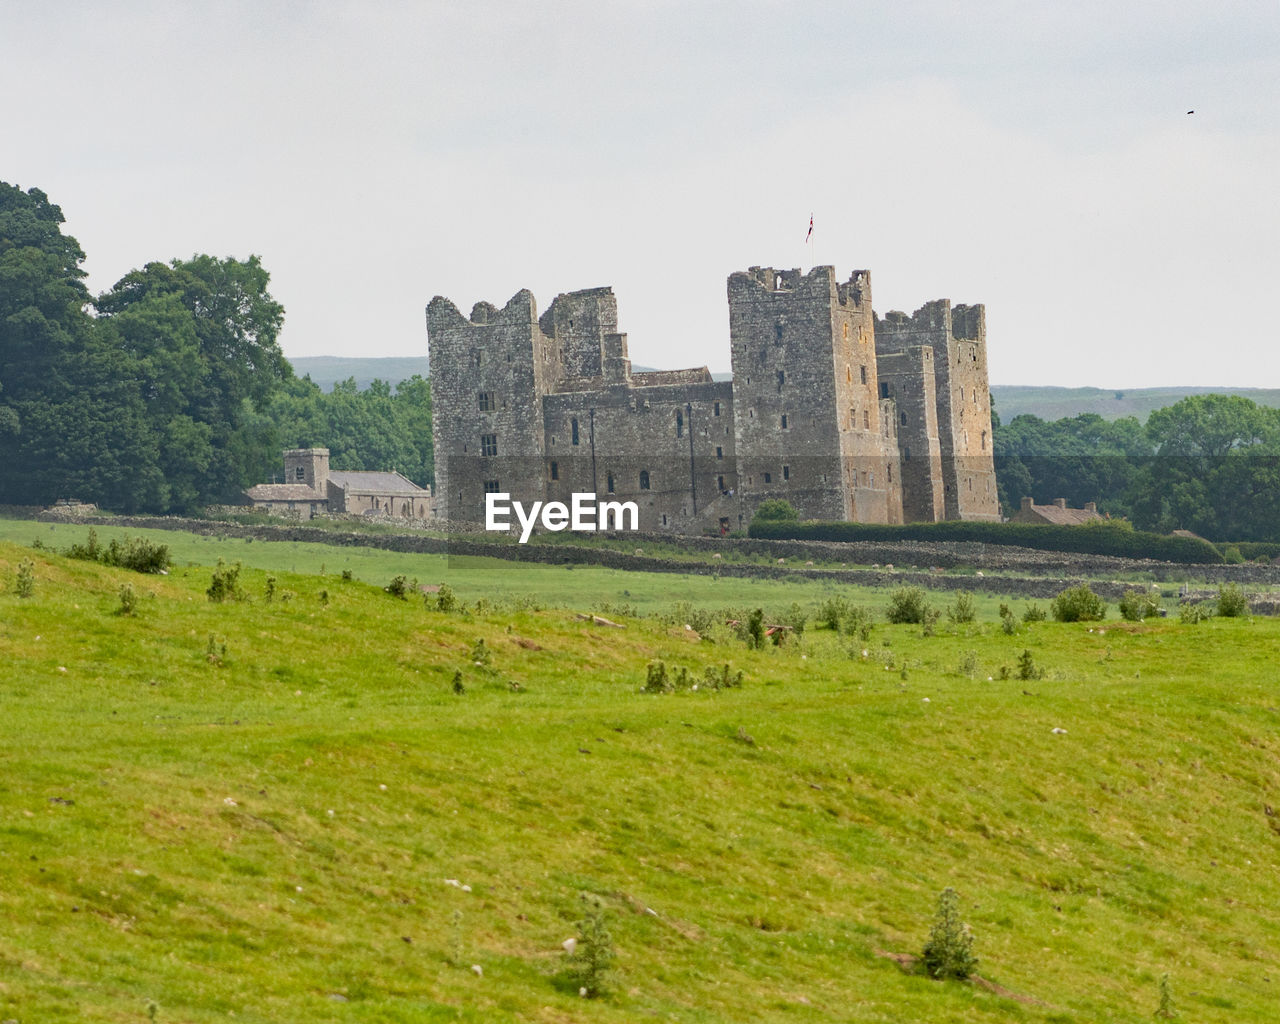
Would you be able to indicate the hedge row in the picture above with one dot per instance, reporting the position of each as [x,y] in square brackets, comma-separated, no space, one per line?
[1119,541]
[1250,550]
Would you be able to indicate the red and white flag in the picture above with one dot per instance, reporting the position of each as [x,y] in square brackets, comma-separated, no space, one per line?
[809,234]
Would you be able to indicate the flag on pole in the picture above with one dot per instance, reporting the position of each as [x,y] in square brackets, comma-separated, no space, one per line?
[809,234]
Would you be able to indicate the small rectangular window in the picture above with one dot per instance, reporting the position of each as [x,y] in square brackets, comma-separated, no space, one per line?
[491,487]
[902,418]
[484,400]
[488,444]
[717,409]
[719,452]
[866,419]
[555,471]
[862,371]
[679,424]
[786,472]
[784,421]
[573,429]
[644,479]
[768,478]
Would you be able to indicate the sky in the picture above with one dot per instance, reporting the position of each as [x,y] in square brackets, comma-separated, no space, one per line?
[1036,158]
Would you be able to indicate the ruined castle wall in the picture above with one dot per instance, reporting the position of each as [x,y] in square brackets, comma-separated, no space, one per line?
[487,373]
[908,377]
[579,322]
[963,399]
[805,394]
[633,444]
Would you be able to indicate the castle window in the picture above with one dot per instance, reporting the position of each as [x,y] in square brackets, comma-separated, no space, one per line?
[884,389]
[573,428]
[768,478]
[477,357]
[720,484]
[717,409]
[609,483]
[301,474]
[719,452]
[679,424]
[777,334]
[902,418]
[889,470]
[872,477]
[664,519]
[866,419]
[862,372]
[906,454]
[488,444]
[782,378]
[984,440]
[844,330]
[555,471]
[490,487]
[786,472]
[784,421]
[485,400]
[853,417]
[848,375]
[644,479]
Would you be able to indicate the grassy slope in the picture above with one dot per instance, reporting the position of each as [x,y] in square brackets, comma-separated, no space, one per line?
[165,829]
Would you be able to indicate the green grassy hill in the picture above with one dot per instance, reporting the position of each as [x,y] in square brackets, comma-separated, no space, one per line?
[1050,403]
[280,809]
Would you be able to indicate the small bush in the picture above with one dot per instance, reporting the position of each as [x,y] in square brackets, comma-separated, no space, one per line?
[128,600]
[931,616]
[1232,556]
[398,587]
[25,584]
[1137,605]
[755,629]
[1078,604]
[347,576]
[138,555]
[859,622]
[908,604]
[656,680]
[271,589]
[1191,613]
[964,609]
[833,612]
[969,664]
[226,583]
[1008,623]
[593,955]
[446,600]
[1166,1010]
[1231,601]
[949,951]
[776,510]
[1034,613]
[1027,668]
[795,617]
[480,654]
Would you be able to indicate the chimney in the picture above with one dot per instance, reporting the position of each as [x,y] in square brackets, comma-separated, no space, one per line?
[1060,502]
[1026,503]
[1091,506]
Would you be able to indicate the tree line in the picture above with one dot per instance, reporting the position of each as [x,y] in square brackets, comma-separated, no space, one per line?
[1209,464]
[169,391]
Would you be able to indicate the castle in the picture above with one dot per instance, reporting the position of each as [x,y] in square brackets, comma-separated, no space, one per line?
[845,415]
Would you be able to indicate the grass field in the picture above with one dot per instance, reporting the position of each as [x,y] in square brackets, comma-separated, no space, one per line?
[254,809]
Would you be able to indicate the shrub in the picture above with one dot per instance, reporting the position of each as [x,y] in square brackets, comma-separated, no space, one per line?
[271,588]
[480,654]
[776,510]
[446,601]
[1232,556]
[592,955]
[969,664]
[347,576]
[949,951]
[1078,604]
[128,600]
[833,612]
[964,609]
[908,604]
[26,580]
[1137,605]
[1231,601]
[1166,1009]
[859,623]
[1034,613]
[137,554]
[1027,667]
[1007,621]
[398,587]
[755,629]
[226,583]
[795,617]
[656,680]
[1192,613]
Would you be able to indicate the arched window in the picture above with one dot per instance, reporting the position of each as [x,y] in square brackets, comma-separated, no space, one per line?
[644,479]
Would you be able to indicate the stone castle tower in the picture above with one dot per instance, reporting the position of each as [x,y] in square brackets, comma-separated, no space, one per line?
[844,415]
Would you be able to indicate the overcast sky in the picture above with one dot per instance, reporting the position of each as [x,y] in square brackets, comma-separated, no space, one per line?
[1036,158]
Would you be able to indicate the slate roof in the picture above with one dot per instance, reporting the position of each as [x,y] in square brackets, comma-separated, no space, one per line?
[1055,515]
[284,492]
[375,483]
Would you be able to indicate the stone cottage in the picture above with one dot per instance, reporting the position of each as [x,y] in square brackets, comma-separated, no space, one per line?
[312,488]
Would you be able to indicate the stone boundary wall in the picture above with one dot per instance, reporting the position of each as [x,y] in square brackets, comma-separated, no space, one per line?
[1055,574]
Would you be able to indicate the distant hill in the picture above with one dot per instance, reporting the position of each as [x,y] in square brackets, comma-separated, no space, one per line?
[1011,399]
[1057,403]
[326,371]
